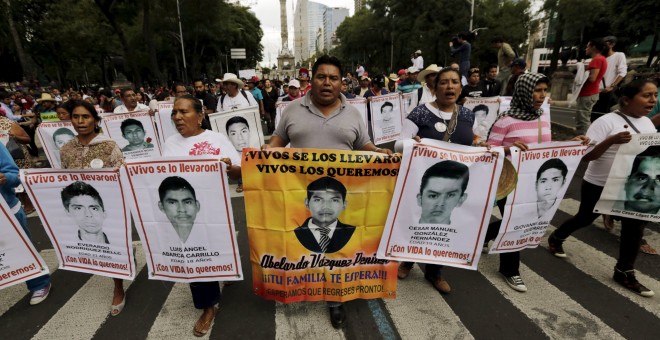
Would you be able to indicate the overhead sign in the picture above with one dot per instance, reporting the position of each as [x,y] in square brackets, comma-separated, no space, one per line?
[238,53]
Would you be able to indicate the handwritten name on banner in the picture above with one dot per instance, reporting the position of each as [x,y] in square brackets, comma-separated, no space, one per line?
[301,192]
[86,219]
[631,190]
[544,173]
[442,204]
[184,218]
[19,260]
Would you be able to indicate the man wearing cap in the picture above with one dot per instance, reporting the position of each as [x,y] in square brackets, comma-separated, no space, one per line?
[505,56]
[294,91]
[426,94]
[410,84]
[46,108]
[235,97]
[303,78]
[403,75]
[614,74]
[417,60]
[364,86]
[257,94]
[517,69]
[130,102]
[322,119]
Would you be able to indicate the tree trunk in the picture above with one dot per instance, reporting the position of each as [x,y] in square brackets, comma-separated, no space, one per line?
[129,56]
[28,73]
[654,45]
[556,46]
[148,38]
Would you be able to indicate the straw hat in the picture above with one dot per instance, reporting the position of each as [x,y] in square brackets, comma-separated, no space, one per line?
[508,180]
[393,76]
[46,97]
[232,78]
[433,68]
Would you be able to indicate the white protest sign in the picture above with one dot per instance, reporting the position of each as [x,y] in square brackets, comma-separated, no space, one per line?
[386,121]
[360,103]
[410,101]
[19,260]
[86,219]
[442,204]
[163,121]
[279,108]
[544,173]
[53,136]
[184,217]
[632,189]
[242,127]
[485,113]
[4,137]
[134,133]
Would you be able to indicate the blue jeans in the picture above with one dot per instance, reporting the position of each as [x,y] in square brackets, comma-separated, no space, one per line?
[41,281]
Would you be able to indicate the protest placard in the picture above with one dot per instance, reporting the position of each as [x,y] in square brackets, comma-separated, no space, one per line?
[19,261]
[53,136]
[184,218]
[86,218]
[242,127]
[632,189]
[386,121]
[279,108]
[485,113]
[163,121]
[410,101]
[304,194]
[442,204]
[360,104]
[544,173]
[134,133]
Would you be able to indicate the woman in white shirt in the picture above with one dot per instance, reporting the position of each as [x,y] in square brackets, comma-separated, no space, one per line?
[192,140]
[636,101]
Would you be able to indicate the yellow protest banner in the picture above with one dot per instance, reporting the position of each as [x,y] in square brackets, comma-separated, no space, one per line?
[315,219]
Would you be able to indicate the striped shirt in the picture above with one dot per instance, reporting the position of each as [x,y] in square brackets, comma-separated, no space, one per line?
[508,130]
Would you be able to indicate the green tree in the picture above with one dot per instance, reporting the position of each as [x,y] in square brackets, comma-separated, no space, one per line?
[635,20]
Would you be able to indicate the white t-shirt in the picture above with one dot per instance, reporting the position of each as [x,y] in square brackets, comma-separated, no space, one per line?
[616,66]
[123,109]
[206,143]
[238,102]
[603,127]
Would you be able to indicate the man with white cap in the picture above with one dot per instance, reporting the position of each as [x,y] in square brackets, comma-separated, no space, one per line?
[232,99]
[426,94]
[417,60]
[294,91]
[410,84]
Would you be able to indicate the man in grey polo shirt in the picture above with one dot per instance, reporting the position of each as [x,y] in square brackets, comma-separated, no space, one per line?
[322,119]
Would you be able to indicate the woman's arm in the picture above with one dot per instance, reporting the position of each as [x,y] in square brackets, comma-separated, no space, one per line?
[620,138]
[19,134]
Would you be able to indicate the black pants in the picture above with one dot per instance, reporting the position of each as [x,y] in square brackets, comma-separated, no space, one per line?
[631,230]
[509,262]
[205,294]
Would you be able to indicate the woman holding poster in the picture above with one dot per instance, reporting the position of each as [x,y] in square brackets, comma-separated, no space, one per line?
[192,140]
[637,98]
[40,286]
[518,126]
[90,149]
[441,119]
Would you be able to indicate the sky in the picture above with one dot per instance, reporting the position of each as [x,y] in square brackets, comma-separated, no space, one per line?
[268,12]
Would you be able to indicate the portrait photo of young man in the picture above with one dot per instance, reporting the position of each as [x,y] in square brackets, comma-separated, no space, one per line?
[83,204]
[323,232]
[442,190]
[179,203]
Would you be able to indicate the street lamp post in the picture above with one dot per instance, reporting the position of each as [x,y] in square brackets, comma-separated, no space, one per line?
[183,52]
[471,15]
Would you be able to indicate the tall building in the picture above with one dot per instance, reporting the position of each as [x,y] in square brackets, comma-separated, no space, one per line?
[360,4]
[332,18]
[307,20]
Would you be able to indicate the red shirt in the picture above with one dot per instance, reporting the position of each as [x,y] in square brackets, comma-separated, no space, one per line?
[305,90]
[591,88]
